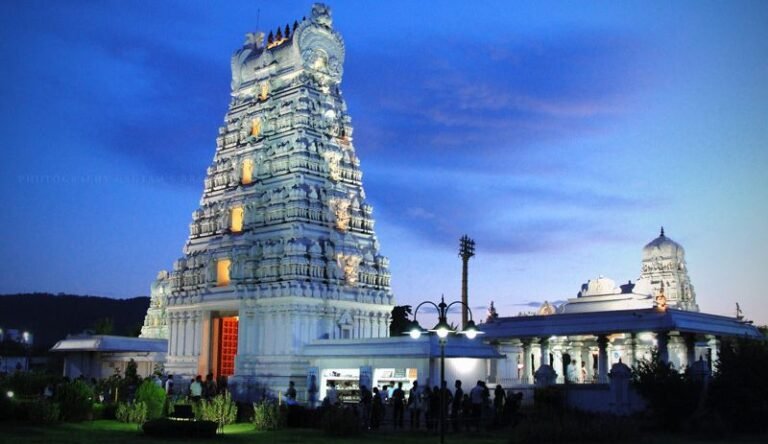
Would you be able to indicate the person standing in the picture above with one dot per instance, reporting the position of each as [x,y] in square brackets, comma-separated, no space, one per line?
[331,396]
[499,399]
[426,406]
[365,406]
[290,394]
[209,388]
[447,399]
[458,398]
[414,406]
[169,386]
[196,389]
[398,403]
[377,407]
[476,396]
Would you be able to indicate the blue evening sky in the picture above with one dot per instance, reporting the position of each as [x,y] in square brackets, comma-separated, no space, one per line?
[559,135]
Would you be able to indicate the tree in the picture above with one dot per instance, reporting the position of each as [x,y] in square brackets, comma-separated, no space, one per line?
[104,326]
[739,390]
[671,395]
[400,320]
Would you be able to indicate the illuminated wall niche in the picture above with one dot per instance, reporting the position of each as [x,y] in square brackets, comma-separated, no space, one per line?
[222,272]
[256,127]
[263,91]
[247,172]
[236,220]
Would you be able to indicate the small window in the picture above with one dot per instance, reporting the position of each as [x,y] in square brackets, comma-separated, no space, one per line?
[236,220]
[222,272]
[247,172]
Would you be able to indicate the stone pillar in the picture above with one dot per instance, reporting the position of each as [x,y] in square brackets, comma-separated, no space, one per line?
[385,326]
[196,333]
[576,353]
[676,350]
[631,344]
[714,349]
[690,349]
[525,374]
[544,360]
[171,334]
[243,330]
[557,362]
[204,365]
[662,342]
[177,334]
[602,359]
[589,362]
[187,334]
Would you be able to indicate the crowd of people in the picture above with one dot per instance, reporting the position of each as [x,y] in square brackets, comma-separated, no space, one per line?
[462,410]
[197,388]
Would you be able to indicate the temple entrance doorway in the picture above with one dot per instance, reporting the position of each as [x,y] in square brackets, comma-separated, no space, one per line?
[224,341]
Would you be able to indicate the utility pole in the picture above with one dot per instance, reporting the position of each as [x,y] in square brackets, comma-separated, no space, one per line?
[466,251]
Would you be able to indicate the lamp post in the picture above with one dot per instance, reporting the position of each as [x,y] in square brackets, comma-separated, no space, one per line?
[442,330]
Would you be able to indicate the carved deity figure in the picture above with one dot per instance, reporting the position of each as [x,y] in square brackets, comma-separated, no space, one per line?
[256,127]
[334,169]
[263,91]
[661,300]
[340,208]
[349,264]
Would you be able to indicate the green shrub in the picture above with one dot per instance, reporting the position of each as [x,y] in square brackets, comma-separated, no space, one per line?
[75,401]
[153,397]
[42,412]
[221,410]
[341,421]
[266,416]
[105,410]
[167,428]
[134,413]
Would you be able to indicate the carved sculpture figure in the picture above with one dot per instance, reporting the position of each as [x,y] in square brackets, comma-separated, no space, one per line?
[349,265]
[334,168]
[340,208]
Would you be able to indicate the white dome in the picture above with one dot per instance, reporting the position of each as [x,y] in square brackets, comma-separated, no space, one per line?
[663,247]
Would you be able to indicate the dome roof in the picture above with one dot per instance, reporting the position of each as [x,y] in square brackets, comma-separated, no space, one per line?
[663,246]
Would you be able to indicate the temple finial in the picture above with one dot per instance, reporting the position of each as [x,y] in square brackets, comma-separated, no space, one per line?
[662,231]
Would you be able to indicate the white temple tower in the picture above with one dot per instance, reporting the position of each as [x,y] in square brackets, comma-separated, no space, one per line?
[664,268]
[282,250]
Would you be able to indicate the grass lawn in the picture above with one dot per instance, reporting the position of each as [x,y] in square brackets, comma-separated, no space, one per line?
[105,431]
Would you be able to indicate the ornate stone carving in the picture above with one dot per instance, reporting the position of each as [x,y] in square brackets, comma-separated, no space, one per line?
[333,158]
[349,265]
[340,209]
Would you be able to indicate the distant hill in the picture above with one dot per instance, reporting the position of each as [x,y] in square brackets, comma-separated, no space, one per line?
[52,317]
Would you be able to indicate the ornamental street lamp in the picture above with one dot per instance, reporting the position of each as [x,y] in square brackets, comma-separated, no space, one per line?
[442,330]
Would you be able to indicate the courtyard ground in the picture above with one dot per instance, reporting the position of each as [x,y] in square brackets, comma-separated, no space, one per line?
[106,431]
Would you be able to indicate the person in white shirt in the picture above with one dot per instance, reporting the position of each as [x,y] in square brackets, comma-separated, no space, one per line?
[331,396]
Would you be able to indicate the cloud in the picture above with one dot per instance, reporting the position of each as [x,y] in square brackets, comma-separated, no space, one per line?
[120,88]
[484,105]
[503,214]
